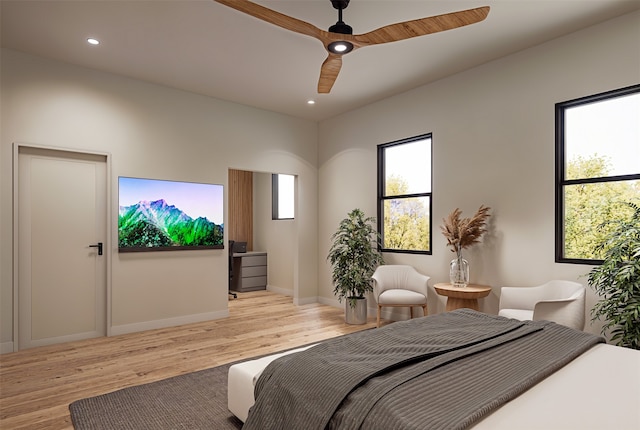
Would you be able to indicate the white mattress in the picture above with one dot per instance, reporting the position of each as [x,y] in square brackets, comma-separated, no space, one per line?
[598,390]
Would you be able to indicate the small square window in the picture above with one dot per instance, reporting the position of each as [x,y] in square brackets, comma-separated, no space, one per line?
[283,196]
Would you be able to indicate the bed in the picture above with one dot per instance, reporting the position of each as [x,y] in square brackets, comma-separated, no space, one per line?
[461,369]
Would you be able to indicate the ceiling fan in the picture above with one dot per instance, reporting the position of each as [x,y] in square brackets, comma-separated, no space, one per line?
[340,40]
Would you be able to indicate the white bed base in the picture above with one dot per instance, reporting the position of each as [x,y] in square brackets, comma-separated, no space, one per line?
[598,390]
[242,380]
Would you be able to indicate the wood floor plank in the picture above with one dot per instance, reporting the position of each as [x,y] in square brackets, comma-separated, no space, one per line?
[37,385]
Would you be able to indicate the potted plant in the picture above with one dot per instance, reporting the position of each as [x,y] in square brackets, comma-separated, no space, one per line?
[354,257]
[617,281]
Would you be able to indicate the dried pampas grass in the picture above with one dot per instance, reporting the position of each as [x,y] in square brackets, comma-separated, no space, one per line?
[461,233]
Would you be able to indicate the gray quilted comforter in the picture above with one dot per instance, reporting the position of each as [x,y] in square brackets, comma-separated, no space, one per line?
[440,372]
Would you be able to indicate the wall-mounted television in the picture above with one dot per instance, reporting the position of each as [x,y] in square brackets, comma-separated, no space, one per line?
[160,215]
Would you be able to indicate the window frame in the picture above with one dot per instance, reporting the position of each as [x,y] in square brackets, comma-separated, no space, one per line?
[275,197]
[560,178]
[381,198]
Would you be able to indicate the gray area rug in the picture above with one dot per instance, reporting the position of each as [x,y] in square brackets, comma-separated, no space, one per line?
[195,400]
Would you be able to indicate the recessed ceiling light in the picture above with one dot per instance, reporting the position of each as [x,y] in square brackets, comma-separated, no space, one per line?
[92,41]
[311,102]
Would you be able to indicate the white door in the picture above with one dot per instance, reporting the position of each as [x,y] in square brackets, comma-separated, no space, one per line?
[62,201]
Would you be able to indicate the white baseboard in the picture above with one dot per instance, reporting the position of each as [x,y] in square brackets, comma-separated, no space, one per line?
[305,300]
[330,302]
[287,292]
[278,290]
[6,347]
[169,322]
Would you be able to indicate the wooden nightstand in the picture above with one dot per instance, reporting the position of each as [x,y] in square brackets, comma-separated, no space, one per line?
[462,297]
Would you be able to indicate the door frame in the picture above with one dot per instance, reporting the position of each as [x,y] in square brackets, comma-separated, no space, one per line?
[15,224]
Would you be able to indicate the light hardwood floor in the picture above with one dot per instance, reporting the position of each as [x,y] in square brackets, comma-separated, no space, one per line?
[37,385]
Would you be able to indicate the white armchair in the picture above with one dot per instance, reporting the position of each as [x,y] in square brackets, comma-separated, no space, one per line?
[399,285]
[558,301]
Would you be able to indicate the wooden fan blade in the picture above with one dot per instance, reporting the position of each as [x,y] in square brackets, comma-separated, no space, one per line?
[273,17]
[423,26]
[329,73]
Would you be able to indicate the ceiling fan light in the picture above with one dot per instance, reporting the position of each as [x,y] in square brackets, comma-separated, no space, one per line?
[340,47]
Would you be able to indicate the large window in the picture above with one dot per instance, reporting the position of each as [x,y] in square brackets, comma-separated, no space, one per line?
[404,195]
[597,169]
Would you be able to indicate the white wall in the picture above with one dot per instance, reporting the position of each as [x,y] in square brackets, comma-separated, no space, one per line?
[290,241]
[277,237]
[494,124]
[154,132]
[493,144]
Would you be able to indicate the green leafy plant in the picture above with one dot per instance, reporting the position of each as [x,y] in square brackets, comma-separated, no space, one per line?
[617,281]
[354,256]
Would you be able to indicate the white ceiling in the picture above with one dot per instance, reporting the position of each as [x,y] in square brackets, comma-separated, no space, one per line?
[207,48]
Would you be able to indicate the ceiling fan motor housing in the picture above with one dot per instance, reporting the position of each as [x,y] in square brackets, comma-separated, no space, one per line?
[340,4]
[341,27]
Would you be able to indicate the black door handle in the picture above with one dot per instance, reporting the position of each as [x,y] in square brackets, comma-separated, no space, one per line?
[99,246]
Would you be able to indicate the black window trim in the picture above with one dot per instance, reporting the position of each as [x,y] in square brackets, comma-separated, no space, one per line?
[561,182]
[381,197]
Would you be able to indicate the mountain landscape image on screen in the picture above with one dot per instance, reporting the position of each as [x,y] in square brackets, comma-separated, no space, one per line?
[157,224]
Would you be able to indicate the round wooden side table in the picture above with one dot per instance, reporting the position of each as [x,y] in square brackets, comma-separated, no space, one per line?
[462,297]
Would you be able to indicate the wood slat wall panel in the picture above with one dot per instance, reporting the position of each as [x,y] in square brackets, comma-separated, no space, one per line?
[240,202]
